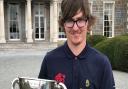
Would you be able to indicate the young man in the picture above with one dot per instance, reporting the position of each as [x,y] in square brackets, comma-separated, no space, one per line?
[75,63]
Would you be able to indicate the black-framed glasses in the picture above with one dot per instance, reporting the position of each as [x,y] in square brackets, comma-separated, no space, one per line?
[81,22]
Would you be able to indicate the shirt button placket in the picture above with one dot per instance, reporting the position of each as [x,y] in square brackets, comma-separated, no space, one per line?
[75,72]
[75,67]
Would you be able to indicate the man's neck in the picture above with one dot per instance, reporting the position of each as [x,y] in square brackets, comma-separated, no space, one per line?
[76,49]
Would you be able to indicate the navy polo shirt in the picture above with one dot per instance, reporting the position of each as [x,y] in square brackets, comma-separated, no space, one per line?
[89,70]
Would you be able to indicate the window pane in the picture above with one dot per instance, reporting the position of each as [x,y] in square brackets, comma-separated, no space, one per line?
[61,33]
[42,30]
[36,19]
[42,21]
[37,30]
[36,25]
[42,35]
[37,35]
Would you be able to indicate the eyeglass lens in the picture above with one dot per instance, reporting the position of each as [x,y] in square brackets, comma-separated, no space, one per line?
[80,23]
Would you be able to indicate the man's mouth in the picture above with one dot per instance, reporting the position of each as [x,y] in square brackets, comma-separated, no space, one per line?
[75,33]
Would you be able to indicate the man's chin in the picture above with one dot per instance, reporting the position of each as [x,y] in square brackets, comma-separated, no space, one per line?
[76,43]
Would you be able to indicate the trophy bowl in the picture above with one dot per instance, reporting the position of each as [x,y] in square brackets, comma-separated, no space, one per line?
[35,83]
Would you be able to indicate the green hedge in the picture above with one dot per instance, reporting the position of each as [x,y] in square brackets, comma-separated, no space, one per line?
[94,39]
[117,51]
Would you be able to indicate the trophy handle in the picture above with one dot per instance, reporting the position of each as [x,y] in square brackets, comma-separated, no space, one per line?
[14,82]
[63,85]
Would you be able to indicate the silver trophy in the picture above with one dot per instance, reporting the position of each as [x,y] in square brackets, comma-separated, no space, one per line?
[35,83]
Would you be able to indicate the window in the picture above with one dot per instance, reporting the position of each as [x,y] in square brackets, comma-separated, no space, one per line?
[61,34]
[108,19]
[39,21]
[14,21]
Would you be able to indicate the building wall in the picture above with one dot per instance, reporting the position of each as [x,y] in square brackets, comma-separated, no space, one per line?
[119,16]
[97,11]
[22,20]
[23,31]
[5,18]
[120,19]
[47,32]
[126,5]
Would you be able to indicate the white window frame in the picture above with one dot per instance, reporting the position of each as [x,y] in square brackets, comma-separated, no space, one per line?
[19,22]
[60,33]
[113,11]
[45,25]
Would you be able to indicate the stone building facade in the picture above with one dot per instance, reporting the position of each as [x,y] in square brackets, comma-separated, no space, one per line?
[111,17]
[31,21]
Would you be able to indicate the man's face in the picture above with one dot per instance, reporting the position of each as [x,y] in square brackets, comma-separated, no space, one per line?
[76,29]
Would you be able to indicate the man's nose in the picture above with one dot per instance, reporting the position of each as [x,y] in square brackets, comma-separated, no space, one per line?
[75,26]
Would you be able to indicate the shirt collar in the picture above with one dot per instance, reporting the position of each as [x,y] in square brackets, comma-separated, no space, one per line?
[82,55]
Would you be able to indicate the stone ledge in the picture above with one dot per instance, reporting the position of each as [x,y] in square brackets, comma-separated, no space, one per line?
[30,46]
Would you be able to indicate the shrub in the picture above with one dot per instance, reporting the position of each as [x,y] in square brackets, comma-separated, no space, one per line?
[117,51]
[126,34]
[94,39]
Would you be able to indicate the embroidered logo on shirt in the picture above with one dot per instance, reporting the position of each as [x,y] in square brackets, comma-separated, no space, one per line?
[60,77]
[87,83]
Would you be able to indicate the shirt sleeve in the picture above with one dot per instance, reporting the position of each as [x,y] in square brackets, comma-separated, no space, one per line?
[107,78]
[43,69]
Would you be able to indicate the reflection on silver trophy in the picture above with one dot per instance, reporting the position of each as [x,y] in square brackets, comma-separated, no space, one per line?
[34,83]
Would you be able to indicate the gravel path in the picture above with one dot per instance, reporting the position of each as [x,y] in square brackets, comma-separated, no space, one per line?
[27,63]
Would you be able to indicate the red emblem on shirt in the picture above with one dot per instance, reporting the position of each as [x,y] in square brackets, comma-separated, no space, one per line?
[60,77]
